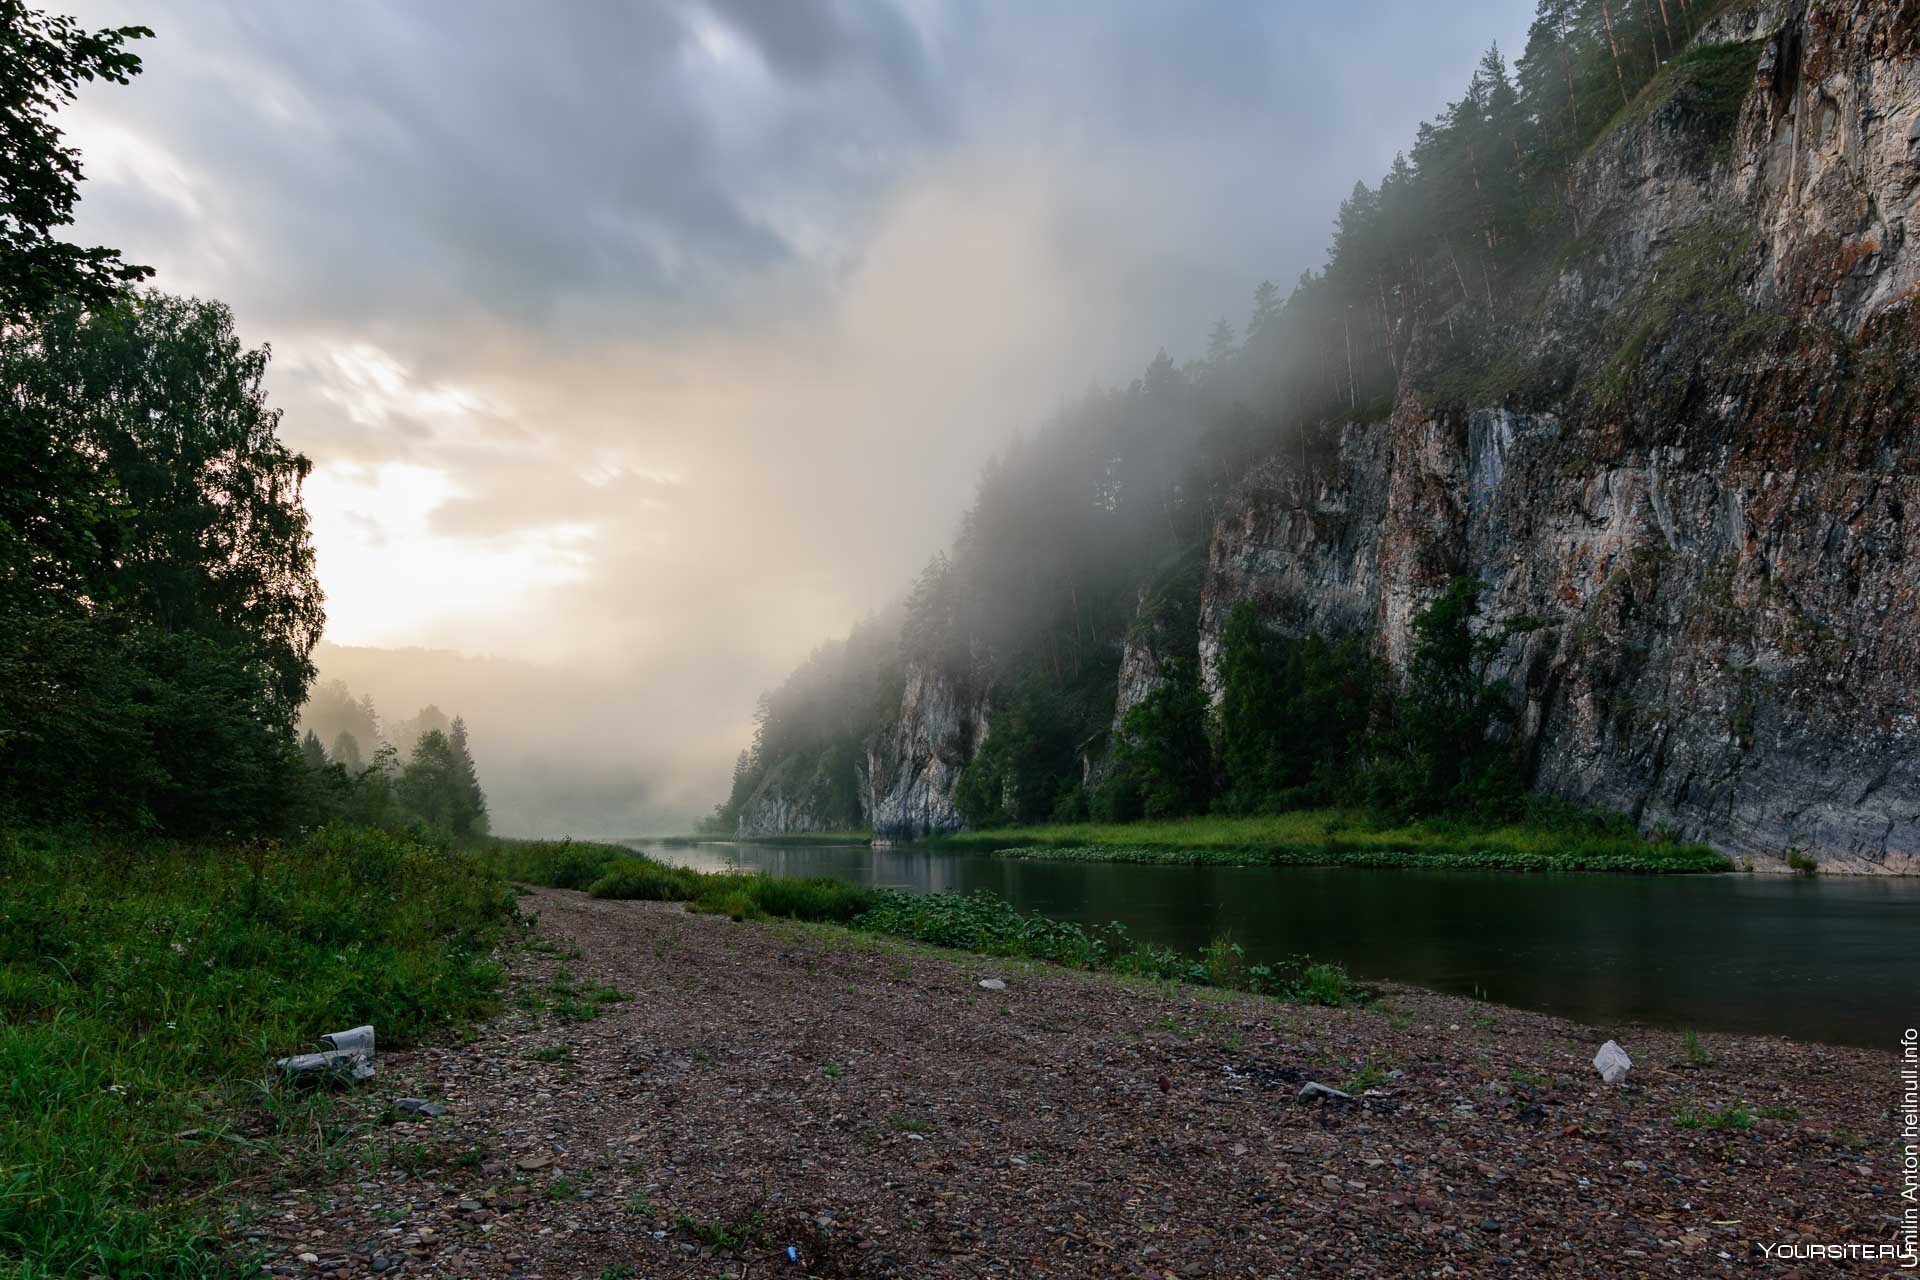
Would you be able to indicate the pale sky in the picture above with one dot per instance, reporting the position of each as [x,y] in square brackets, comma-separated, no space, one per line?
[652,343]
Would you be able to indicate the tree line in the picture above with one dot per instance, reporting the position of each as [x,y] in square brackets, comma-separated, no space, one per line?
[417,774]
[158,604]
[1112,500]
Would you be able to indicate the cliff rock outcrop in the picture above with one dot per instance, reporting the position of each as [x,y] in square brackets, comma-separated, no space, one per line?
[1707,519]
[913,768]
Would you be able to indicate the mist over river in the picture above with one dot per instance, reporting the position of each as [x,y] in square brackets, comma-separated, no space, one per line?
[1825,959]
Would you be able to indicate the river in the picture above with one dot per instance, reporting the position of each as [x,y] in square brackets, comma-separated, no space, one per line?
[1821,959]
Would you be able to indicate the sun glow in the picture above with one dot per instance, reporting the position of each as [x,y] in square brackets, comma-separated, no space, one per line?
[392,578]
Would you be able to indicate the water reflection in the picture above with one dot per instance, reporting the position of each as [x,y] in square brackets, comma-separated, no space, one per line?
[1821,959]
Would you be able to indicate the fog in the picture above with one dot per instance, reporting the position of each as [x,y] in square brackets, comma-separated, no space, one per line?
[640,348]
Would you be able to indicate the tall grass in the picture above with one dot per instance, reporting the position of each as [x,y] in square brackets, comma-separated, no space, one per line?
[146,989]
[1336,837]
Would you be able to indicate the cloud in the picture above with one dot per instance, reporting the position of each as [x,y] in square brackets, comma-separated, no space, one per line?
[662,340]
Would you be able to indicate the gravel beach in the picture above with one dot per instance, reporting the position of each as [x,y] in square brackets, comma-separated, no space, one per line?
[870,1107]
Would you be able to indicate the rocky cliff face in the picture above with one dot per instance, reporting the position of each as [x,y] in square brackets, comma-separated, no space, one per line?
[1707,514]
[1688,465]
[792,798]
[912,769]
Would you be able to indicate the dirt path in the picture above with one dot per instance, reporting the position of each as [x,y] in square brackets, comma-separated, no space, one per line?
[872,1106]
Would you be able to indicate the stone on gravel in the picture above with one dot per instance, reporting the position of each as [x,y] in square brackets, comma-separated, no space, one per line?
[993,984]
[1612,1062]
[1314,1089]
[420,1107]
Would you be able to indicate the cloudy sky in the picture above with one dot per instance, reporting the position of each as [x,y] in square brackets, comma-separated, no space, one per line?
[639,346]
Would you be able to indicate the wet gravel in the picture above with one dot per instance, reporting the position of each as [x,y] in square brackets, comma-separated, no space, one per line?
[869,1106]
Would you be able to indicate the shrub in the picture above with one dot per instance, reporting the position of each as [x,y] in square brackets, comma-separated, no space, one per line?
[639,878]
[817,899]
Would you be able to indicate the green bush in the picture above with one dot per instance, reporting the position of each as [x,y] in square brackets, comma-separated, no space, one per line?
[636,878]
[817,899]
[979,922]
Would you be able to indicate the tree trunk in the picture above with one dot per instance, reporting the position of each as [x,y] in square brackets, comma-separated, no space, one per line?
[1459,275]
[1353,392]
[1613,44]
[1653,34]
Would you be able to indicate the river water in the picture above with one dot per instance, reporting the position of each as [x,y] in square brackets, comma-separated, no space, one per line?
[1828,959]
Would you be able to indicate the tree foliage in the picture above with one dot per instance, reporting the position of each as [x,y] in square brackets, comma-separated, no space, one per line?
[1293,714]
[1161,764]
[44,58]
[436,792]
[157,598]
[160,604]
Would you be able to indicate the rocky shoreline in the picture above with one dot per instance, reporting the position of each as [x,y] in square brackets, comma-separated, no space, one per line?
[867,1105]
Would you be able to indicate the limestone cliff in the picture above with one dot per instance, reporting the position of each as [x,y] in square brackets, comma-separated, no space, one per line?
[914,766]
[796,795]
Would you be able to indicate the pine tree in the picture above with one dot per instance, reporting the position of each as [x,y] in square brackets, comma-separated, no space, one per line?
[346,752]
[470,808]
[430,788]
[312,752]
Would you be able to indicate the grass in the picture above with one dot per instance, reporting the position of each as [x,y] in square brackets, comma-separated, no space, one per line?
[1705,86]
[146,988]
[1697,1053]
[1336,837]
[1734,1118]
[1367,1077]
[718,1233]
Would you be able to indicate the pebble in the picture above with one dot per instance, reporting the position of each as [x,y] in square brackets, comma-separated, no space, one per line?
[993,984]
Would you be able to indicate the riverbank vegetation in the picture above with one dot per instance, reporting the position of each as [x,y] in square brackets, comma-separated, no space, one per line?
[790,838]
[146,987]
[980,922]
[1344,837]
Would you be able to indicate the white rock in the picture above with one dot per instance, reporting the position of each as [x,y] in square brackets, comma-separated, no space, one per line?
[993,984]
[1612,1062]
[1314,1089]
